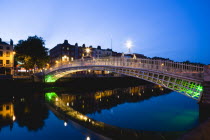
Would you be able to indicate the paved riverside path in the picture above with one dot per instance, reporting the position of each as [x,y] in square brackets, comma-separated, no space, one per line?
[202,132]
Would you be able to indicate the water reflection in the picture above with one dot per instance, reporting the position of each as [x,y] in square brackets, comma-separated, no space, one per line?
[33,110]
[27,111]
[74,107]
[96,101]
[6,114]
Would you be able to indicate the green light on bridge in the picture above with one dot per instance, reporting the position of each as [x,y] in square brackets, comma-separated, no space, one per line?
[199,88]
[50,95]
[49,79]
[194,94]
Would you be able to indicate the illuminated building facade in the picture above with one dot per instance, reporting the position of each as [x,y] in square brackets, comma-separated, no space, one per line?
[6,58]
[66,52]
[63,53]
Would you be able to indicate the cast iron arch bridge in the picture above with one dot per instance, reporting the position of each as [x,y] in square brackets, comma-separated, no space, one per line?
[184,78]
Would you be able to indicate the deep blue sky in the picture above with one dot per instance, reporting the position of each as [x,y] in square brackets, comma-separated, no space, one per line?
[175,29]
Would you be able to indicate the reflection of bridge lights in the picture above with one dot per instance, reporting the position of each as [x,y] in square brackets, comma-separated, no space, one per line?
[65,123]
[88,138]
[85,118]
[118,96]
[67,104]
[72,103]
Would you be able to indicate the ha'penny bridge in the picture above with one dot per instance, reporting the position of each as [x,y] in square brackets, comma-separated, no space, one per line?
[190,80]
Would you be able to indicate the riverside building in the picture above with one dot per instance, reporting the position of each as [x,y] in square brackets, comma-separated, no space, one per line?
[6,58]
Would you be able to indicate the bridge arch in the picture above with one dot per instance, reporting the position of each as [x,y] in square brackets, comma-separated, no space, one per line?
[184,85]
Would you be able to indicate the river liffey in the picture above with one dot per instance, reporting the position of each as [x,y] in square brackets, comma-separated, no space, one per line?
[145,111]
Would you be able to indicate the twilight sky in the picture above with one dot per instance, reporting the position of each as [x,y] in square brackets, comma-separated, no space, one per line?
[175,29]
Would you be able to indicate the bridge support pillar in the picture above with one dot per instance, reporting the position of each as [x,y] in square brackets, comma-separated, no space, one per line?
[205,98]
[204,104]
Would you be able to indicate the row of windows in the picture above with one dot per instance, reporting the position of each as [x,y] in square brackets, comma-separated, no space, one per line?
[7,108]
[7,48]
[7,54]
[7,62]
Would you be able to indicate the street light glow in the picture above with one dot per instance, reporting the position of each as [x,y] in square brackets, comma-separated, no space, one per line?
[87,50]
[128,44]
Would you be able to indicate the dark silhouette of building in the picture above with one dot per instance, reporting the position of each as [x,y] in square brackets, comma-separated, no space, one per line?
[64,52]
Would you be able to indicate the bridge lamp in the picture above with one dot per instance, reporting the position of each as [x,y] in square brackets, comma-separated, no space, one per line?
[129,45]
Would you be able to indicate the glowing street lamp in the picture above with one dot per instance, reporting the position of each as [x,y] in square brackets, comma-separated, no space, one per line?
[129,44]
[87,50]
[13,118]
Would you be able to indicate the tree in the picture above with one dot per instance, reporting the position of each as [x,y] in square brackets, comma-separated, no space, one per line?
[32,52]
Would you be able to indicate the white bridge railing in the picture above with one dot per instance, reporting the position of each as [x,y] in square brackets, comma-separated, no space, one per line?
[148,64]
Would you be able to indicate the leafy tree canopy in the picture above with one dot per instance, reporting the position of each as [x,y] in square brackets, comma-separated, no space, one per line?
[32,52]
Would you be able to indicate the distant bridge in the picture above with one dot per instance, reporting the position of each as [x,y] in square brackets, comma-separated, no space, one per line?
[184,78]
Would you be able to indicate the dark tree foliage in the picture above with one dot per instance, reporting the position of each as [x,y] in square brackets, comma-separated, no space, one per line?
[185,62]
[192,63]
[32,52]
[161,58]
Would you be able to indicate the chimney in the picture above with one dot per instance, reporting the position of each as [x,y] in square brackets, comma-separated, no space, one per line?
[11,42]
[65,42]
